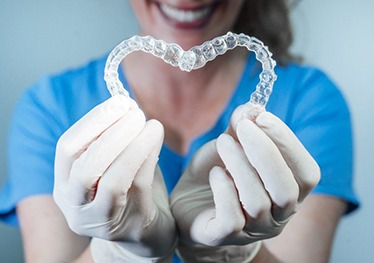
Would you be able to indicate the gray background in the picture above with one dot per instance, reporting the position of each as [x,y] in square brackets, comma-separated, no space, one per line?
[41,37]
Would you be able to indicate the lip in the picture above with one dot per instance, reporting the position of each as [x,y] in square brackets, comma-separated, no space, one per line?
[187,17]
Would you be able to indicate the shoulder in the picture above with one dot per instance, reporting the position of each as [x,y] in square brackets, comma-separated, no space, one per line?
[304,79]
[302,91]
[85,81]
[65,97]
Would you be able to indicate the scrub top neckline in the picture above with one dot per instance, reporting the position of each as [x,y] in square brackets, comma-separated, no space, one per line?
[247,76]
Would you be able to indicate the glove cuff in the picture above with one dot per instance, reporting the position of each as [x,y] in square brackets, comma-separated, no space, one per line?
[111,251]
[232,254]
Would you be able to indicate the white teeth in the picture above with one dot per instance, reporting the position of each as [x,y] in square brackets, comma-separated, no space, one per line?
[184,15]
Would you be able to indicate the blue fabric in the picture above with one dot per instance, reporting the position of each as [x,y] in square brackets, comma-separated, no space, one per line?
[303,97]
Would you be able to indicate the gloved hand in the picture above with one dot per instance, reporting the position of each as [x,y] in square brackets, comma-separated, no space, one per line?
[240,189]
[108,185]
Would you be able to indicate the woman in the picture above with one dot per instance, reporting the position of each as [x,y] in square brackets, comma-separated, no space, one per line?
[238,196]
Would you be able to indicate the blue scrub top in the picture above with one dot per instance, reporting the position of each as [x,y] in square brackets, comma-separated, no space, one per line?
[303,97]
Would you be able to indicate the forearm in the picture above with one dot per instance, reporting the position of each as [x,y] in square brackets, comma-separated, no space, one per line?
[309,235]
[85,257]
[46,236]
[265,256]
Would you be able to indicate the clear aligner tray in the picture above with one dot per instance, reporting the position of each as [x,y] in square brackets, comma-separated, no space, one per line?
[194,58]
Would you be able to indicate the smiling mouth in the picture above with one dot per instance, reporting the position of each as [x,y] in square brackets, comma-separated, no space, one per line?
[187,18]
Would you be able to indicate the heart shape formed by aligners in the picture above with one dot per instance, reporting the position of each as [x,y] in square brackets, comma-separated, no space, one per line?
[195,58]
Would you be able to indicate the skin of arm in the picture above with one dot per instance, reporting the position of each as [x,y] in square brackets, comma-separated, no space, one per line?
[308,237]
[45,233]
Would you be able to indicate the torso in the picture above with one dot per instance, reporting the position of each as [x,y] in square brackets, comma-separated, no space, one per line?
[187,104]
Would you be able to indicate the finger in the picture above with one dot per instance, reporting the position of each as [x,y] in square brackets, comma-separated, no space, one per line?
[276,176]
[195,180]
[212,227]
[142,185]
[91,165]
[235,117]
[160,193]
[203,161]
[132,162]
[245,111]
[253,196]
[229,212]
[303,166]
[76,140]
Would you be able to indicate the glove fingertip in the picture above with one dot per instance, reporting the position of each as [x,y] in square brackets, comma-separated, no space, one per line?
[217,174]
[243,130]
[224,141]
[267,119]
[158,128]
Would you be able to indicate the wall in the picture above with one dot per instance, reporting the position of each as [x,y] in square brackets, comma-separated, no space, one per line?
[41,37]
[337,36]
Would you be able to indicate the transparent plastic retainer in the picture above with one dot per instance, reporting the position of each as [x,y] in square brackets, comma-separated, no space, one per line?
[195,58]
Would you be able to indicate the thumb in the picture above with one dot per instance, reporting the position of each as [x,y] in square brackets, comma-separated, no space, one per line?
[144,179]
[213,225]
[245,111]
[204,160]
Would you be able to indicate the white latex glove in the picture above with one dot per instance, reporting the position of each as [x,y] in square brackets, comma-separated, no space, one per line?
[240,189]
[108,185]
